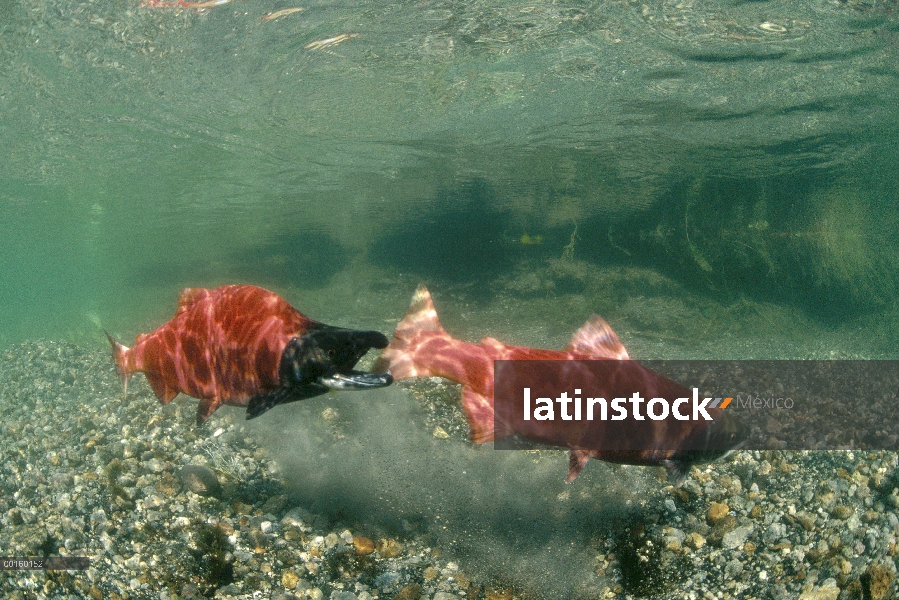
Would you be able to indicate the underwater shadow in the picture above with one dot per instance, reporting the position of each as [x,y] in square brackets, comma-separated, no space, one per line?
[823,246]
[306,259]
[378,470]
[457,239]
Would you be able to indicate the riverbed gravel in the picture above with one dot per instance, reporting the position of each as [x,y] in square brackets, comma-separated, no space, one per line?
[166,509]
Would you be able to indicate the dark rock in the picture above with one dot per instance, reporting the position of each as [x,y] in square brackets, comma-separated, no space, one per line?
[201,480]
[877,582]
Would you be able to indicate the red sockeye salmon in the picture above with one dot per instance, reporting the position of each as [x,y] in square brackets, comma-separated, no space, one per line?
[422,348]
[246,346]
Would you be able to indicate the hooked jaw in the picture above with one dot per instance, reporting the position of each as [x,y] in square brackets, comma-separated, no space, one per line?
[321,359]
[724,436]
[737,436]
[731,435]
[356,380]
[328,355]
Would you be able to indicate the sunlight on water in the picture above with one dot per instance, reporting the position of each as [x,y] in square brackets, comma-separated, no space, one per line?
[166,148]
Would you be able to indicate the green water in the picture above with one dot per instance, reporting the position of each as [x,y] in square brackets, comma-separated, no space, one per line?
[716,179]
[732,161]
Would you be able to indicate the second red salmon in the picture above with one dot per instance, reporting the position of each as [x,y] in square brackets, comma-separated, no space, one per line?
[422,348]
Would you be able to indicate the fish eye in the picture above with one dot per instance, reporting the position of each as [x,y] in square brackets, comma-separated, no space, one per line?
[330,353]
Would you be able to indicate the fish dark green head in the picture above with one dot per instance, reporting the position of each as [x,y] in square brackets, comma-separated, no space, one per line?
[325,351]
[322,359]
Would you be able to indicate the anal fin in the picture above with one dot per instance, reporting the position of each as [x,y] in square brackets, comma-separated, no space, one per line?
[479,411]
[577,460]
[163,391]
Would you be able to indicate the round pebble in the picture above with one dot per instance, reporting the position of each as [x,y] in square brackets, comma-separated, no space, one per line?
[201,480]
[363,546]
[131,484]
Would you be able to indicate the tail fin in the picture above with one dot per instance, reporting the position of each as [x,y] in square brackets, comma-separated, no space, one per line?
[421,316]
[421,348]
[398,357]
[118,356]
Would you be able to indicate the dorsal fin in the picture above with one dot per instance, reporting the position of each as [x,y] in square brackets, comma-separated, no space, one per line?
[188,296]
[495,345]
[597,339]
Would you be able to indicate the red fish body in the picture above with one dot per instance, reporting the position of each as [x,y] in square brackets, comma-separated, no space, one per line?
[236,343]
[421,348]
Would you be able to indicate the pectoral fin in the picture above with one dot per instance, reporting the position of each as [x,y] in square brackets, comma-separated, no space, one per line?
[677,471]
[263,402]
